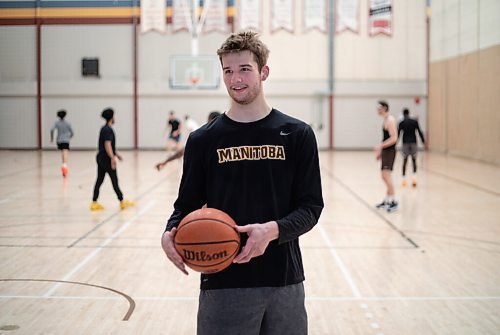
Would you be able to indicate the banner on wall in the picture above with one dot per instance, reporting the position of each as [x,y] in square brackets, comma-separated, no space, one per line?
[250,14]
[315,16]
[347,16]
[282,16]
[380,17]
[153,16]
[216,16]
[181,15]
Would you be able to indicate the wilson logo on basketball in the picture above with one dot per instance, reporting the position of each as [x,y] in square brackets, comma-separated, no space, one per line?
[202,256]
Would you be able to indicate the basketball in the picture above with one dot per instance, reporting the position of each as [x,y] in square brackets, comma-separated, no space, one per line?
[207,240]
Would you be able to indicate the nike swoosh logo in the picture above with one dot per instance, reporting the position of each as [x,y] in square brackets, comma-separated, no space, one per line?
[284,134]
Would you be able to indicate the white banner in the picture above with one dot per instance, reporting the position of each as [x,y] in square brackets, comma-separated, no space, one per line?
[315,16]
[282,15]
[153,15]
[216,16]
[380,19]
[181,15]
[347,16]
[250,15]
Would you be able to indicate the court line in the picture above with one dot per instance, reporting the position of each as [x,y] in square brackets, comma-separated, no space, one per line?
[361,200]
[100,224]
[308,298]
[131,301]
[99,248]
[341,265]
[460,181]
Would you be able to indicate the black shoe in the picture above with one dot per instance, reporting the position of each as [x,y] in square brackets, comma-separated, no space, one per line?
[383,204]
[392,207]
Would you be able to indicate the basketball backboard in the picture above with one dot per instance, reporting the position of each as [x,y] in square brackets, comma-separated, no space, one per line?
[194,72]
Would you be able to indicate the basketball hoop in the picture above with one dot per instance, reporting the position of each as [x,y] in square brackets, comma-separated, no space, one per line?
[194,74]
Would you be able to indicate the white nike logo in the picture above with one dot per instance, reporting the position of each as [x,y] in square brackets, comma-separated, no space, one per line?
[284,134]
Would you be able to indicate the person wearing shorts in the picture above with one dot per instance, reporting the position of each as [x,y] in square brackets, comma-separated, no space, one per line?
[408,128]
[64,135]
[174,135]
[386,153]
[261,167]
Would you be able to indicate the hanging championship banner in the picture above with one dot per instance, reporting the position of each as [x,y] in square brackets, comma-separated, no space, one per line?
[250,15]
[380,17]
[315,16]
[216,16]
[153,15]
[282,15]
[347,16]
[181,15]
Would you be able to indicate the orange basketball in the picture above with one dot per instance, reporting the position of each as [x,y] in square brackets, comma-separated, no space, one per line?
[207,240]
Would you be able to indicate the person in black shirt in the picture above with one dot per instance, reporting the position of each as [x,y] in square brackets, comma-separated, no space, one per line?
[261,167]
[175,132]
[106,162]
[386,152]
[408,127]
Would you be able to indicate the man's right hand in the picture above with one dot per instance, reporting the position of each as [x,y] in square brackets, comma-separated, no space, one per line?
[167,243]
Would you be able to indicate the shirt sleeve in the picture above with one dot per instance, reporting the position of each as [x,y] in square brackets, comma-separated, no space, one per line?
[71,133]
[420,133]
[192,193]
[307,198]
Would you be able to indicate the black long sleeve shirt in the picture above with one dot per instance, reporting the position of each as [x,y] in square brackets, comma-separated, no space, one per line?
[256,172]
[408,127]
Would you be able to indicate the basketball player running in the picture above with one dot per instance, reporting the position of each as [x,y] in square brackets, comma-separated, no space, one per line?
[408,127]
[179,153]
[64,135]
[261,167]
[175,131]
[386,152]
[106,162]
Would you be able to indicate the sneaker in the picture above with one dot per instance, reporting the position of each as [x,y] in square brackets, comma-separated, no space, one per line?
[414,182]
[95,206]
[392,207]
[126,203]
[64,171]
[403,183]
[383,204]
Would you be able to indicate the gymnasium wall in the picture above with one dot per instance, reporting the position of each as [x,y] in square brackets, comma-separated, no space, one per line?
[464,81]
[366,69]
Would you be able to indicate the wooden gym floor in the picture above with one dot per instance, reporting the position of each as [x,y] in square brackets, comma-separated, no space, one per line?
[433,267]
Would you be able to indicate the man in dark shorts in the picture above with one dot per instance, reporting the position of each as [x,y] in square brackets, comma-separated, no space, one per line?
[174,135]
[106,162]
[386,152]
[64,135]
[261,167]
[408,127]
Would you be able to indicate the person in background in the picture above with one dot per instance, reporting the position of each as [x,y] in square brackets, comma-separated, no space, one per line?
[64,135]
[386,153]
[106,162]
[408,127]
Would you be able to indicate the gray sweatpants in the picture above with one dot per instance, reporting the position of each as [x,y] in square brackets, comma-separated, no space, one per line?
[253,311]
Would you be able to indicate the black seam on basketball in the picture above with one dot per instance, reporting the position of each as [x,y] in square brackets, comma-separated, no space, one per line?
[216,220]
[199,243]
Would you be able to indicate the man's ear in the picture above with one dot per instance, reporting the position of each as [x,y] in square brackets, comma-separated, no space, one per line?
[264,73]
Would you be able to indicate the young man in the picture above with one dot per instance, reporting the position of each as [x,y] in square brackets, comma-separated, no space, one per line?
[386,152]
[261,167]
[106,162]
[179,153]
[64,135]
[174,135]
[408,127]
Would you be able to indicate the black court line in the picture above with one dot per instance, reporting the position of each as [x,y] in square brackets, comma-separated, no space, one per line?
[460,181]
[131,302]
[367,205]
[100,224]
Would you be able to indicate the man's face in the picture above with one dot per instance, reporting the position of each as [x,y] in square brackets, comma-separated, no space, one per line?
[241,76]
[380,110]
